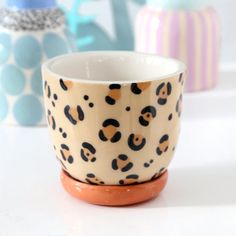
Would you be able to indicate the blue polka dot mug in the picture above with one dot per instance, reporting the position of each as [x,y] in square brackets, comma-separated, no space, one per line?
[31,31]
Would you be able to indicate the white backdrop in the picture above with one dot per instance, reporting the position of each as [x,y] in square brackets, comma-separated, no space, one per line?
[225,8]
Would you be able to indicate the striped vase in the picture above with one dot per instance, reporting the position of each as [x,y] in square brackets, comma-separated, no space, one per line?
[192,36]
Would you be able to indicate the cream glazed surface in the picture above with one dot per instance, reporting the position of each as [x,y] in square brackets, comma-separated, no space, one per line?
[114,132]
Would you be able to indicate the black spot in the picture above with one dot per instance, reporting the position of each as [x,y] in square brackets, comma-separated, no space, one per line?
[55,97]
[86,156]
[180,77]
[146,165]
[68,115]
[102,136]
[133,146]
[53,104]
[132,177]
[151,161]
[127,108]
[89,146]
[70,159]
[90,175]
[116,137]
[80,114]
[123,157]
[127,167]
[86,97]
[64,135]
[93,180]
[63,156]
[159,152]
[53,123]
[83,155]
[113,122]
[178,105]
[114,165]
[173,149]
[170,117]
[62,164]
[51,120]
[149,109]
[110,100]
[63,86]
[60,130]
[90,182]
[162,170]
[91,104]
[159,88]
[143,122]
[164,138]
[162,101]
[115,86]
[169,88]
[135,89]
[49,92]
[158,174]
[64,146]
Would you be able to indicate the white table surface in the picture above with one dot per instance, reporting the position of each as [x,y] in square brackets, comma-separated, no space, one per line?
[200,198]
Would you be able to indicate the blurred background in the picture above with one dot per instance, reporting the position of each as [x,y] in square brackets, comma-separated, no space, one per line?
[102,10]
[106,18]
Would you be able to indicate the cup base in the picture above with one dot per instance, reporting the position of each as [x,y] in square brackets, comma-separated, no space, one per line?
[114,195]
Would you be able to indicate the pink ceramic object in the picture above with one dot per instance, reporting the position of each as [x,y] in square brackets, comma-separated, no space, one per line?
[192,36]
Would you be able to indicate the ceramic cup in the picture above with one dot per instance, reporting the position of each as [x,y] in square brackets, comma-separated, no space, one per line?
[114,117]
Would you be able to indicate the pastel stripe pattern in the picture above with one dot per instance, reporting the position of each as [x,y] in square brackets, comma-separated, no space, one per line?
[191,36]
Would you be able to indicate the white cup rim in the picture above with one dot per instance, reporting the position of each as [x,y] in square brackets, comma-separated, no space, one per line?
[87,58]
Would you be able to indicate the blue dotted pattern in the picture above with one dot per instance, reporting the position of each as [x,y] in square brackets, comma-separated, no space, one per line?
[54,45]
[5,47]
[28,110]
[27,52]
[36,82]
[23,73]
[12,80]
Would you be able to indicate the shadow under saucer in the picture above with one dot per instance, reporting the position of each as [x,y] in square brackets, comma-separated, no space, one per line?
[200,186]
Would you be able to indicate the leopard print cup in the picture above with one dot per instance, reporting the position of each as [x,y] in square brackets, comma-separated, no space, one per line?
[114,117]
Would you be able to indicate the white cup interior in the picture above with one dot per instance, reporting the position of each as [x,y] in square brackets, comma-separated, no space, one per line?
[113,67]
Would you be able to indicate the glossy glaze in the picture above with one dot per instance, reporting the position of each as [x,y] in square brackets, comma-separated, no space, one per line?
[118,123]
[114,195]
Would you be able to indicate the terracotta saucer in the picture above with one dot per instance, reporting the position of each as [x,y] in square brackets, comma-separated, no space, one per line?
[114,195]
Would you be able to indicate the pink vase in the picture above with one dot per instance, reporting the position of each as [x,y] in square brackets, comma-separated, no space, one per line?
[192,36]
